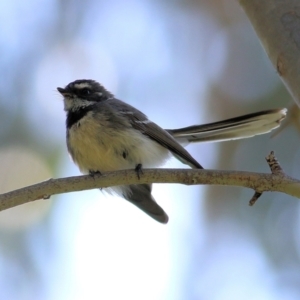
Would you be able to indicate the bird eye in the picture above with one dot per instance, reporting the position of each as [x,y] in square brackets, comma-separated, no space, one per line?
[85,91]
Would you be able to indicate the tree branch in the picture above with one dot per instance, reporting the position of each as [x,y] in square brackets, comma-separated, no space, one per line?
[277,24]
[277,181]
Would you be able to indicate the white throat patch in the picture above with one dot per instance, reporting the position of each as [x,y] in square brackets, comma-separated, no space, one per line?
[76,103]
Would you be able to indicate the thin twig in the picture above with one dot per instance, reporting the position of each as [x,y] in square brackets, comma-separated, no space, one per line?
[275,169]
[259,182]
[254,198]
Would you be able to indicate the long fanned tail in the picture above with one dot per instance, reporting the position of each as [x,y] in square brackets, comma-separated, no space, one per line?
[235,128]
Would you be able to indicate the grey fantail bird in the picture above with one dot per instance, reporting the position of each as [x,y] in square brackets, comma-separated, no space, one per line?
[106,134]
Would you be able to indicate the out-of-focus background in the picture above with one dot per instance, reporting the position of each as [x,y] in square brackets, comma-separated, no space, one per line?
[182,63]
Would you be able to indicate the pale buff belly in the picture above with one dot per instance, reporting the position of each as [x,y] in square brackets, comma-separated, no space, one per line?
[94,148]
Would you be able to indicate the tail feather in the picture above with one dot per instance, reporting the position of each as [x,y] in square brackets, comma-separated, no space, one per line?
[140,196]
[236,128]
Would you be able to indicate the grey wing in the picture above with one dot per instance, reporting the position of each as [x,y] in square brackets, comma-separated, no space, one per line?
[140,122]
[235,128]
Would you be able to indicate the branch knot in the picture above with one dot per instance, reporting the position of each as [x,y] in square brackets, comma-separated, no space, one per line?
[274,164]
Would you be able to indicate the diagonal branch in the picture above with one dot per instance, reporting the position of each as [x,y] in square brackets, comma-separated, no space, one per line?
[277,181]
[277,25]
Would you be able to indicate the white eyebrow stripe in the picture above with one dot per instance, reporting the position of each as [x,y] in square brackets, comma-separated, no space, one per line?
[82,85]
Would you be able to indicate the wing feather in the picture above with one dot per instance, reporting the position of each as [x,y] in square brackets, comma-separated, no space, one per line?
[140,122]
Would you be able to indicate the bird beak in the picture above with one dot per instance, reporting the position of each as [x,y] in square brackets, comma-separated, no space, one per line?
[64,92]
